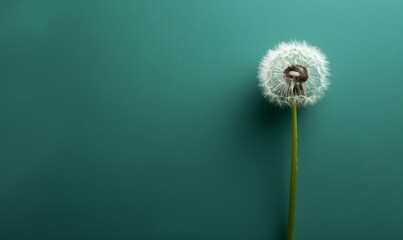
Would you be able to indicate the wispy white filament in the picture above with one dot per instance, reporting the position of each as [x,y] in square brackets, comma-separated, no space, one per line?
[277,87]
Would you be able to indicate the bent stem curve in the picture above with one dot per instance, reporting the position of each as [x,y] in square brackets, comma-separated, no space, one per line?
[293,180]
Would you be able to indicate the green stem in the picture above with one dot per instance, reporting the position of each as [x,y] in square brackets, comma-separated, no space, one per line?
[293,181]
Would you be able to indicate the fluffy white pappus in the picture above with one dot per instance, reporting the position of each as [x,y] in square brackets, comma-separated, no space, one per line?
[281,74]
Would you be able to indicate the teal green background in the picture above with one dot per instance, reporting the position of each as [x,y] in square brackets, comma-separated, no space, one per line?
[143,120]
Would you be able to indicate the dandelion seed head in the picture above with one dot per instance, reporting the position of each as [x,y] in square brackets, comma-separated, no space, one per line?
[293,71]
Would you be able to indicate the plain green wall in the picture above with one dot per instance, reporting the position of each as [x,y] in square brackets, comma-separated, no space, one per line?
[143,120]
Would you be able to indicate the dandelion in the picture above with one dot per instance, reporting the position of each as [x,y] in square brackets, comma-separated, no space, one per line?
[294,74]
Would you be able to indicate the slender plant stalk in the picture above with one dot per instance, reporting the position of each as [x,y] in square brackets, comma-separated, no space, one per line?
[293,181]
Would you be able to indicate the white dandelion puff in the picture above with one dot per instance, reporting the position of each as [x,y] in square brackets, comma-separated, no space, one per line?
[293,72]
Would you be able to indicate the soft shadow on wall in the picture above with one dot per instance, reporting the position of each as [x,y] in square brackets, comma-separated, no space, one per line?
[266,133]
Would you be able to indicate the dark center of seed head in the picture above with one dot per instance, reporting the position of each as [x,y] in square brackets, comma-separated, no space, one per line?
[297,72]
